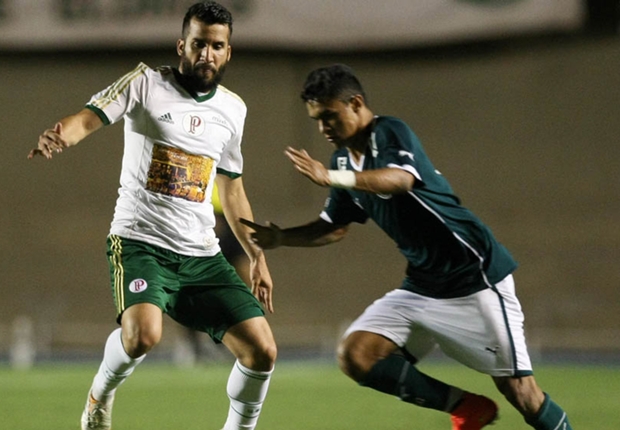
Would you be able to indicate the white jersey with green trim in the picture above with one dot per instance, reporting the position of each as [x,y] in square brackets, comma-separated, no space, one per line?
[175,142]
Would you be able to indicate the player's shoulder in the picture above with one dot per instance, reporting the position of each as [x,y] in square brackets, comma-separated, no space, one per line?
[141,72]
[389,128]
[141,68]
[232,96]
[387,122]
[156,74]
[163,72]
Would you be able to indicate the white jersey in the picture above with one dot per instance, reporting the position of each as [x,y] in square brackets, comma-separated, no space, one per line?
[175,141]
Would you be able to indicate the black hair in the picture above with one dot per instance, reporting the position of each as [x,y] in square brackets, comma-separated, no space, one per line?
[209,12]
[335,82]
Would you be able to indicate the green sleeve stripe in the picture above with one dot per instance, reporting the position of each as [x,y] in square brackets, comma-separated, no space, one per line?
[231,175]
[119,86]
[101,114]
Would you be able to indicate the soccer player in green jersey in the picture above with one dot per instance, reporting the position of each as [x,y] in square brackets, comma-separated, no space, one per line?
[183,133]
[458,293]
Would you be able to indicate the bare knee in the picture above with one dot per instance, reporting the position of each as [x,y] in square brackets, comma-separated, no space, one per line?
[360,351]
[252,343]
[141,329]
[138,340]
[523,393]
[353,361]
[264,357]
[260,356]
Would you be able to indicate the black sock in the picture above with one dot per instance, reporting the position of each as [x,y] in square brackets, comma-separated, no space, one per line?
[396,376]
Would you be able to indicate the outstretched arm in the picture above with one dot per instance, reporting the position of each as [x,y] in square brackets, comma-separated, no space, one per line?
[236,205]
[316,233]
[379,181]
[67,132]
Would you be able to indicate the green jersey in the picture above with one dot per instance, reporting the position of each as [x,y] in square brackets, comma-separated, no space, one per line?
[450,252]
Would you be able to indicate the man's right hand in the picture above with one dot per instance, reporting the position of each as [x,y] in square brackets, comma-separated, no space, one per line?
[49,142]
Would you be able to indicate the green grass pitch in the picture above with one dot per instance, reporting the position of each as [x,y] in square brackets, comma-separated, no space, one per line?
[304,395]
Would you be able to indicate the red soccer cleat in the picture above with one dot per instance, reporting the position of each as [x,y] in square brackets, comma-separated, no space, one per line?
[473,413]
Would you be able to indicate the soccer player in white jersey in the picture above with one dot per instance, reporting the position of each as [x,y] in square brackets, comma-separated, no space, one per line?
[458,293]
[183,131]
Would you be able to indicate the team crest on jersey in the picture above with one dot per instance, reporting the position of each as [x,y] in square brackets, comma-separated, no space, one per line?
[194,124]
[341,162]
[138,285]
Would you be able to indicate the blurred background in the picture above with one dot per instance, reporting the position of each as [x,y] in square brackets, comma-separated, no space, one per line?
[517,102]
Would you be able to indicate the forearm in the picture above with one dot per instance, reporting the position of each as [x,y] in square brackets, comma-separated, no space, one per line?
[316,233]
[379,181]
[233,213]
[76,127]
[236,206]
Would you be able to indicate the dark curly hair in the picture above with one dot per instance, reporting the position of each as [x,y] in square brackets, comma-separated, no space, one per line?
[209,12]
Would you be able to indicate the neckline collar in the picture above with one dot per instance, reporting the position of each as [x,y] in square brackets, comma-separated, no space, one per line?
[191,92]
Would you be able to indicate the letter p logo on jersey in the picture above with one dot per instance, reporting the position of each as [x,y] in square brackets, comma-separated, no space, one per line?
[138,286]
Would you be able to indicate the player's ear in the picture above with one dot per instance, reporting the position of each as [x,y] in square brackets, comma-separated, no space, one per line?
[180,46]
[357,102]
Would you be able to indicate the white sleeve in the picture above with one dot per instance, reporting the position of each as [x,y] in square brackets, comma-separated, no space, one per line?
[122,96]
[231,162]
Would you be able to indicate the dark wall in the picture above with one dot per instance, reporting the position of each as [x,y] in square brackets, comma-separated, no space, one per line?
[527,135]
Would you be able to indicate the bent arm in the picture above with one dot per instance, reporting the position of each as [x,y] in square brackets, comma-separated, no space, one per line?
[77,127]
[389,180]
[236,206]
[67,132]
[315,233]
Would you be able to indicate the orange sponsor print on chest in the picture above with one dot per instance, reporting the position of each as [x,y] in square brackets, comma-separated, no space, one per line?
[178,174]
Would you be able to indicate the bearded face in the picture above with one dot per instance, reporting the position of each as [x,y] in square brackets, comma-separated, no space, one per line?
[204,54]
[201,76]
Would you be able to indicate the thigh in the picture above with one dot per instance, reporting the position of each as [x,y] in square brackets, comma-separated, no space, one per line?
[361,350]
[249,338]
[139,274]
[397,316]
[483,331]
[142,318]
[142,328]
[212,297]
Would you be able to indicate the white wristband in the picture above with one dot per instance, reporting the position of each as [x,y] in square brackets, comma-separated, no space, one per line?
[341,178]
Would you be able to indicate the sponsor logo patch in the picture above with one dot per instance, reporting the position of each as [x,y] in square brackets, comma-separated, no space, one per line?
[166,118]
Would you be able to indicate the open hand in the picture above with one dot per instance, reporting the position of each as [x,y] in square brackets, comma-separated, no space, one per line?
[308,166]
[262,285]
[264,236]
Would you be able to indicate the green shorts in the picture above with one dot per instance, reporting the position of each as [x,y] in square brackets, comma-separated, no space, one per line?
[202,293]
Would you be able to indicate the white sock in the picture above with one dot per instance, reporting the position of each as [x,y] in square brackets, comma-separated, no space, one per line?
[246,390]
[115,368]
